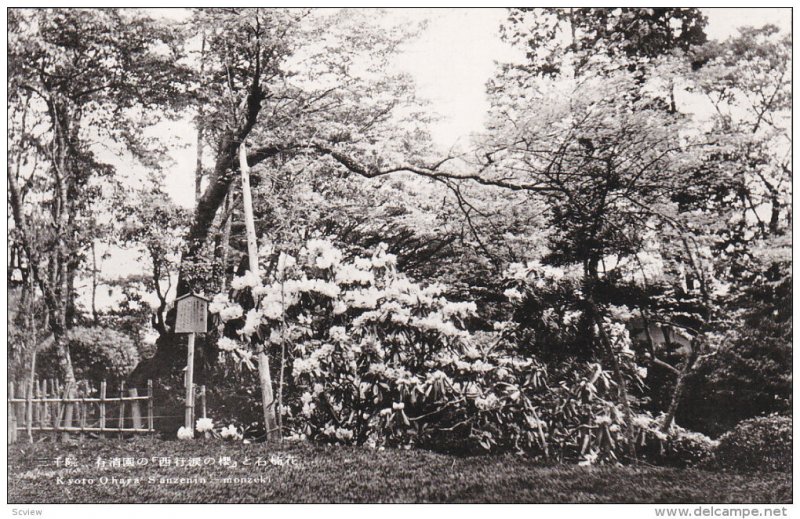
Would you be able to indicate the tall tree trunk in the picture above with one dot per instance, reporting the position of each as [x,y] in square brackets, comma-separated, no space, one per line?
[94,284]
[680,385]
[198,172]
[264,376]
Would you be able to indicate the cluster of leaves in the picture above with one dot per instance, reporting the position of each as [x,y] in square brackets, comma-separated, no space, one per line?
[760,444]
[97,354]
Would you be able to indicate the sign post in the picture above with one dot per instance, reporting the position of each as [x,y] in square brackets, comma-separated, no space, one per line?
[191,318]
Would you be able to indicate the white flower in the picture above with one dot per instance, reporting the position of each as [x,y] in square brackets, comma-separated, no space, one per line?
[620,313]
[350,274]
[248,279]
[204,424]
[275,336]
[231,312]
[325,288]
[150,337]
[285,261]
[218,304]
[589,459]
[344,434]
[642,421]
[251,322]
[323,254]
[513,295]
[185,433]
[641,371]
[365,298]
[230,433]
[462,309]
[226,344]
[337,333]
[472,353]
[398,406]
[362,263]
[435,322]
[306,398]
[602,420]
[384,260]
[308,408]
[272,310]
[339,307]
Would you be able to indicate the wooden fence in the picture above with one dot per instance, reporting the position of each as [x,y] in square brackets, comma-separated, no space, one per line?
[50,406]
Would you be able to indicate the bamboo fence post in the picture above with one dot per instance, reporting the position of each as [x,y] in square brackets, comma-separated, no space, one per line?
[136,410]
[121,423]
[102,405]
[44,411]
[83,404]
[194,405]
[56,390]
[12,417]
[37,388]
[68,407]
[203,408]
[29,410]
[150,405]
[19,407]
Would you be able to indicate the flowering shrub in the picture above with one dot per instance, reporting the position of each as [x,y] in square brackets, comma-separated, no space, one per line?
[185,433]
[760,444]
[377,359]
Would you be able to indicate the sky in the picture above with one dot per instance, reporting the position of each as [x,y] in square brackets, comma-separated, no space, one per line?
[451,60]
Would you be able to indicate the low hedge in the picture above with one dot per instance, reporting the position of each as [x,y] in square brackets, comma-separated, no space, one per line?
[762,444]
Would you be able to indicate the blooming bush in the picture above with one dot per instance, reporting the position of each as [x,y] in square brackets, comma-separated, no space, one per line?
[377,359]
[760,444]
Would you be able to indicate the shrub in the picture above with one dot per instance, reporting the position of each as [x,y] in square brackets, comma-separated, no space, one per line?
[675,448]
[97,354]
[377,359]
[762,444]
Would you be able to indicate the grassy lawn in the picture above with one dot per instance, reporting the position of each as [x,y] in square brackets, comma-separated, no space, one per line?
[317,474]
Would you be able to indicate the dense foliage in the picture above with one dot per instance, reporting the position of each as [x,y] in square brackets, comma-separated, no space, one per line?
[760,444]
[97,354]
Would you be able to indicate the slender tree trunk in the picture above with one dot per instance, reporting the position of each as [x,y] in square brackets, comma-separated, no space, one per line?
[30,321]
[265,378]
[94,284]
[680,385]
[225,241]
[198,172]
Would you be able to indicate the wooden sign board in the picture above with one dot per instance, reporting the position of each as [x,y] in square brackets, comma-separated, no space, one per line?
[192,314]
